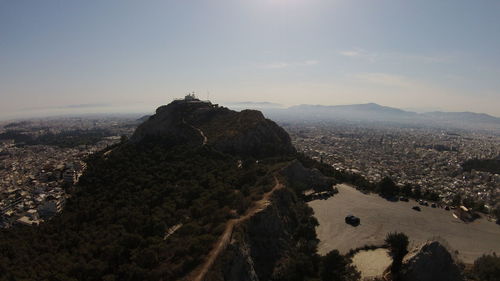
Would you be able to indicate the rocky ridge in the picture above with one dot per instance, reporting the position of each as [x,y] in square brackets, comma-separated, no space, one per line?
[194,122]
[260,246]
[305,178]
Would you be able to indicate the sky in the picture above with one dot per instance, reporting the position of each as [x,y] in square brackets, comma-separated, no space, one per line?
[89,56]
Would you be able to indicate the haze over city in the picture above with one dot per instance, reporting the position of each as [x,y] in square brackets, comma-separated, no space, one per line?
[250,140]
[60,57]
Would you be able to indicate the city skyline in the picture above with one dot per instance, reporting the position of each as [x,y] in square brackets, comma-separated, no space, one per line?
[125,56]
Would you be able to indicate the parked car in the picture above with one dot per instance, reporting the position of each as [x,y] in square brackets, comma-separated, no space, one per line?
[447,208]
[352,220]
[416,208]
[433,205]
[402,198]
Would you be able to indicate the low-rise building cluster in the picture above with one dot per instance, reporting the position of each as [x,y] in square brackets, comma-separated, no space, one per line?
[430,158]
[35,180]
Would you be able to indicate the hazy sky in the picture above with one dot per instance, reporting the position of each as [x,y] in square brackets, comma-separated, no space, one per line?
[116,55]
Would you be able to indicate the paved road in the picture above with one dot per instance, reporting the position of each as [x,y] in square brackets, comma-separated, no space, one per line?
[379,216]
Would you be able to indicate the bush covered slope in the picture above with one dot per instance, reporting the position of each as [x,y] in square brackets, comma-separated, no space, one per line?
[114,225]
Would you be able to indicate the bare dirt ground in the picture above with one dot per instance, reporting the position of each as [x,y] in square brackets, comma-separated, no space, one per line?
[379,217]
[199,273]
[372,263]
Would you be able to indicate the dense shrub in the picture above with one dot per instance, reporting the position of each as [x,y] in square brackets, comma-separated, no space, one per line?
[114,225]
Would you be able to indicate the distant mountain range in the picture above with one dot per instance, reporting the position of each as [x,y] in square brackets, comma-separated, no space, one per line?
[369,111]
[375,113]
[379,112]
[252,105]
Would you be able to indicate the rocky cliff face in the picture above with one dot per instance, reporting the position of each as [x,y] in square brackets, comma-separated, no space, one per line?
[262,244]
[195,122]
[305,178]
[431,262]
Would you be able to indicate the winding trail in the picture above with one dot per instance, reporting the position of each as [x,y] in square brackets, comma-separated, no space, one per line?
[205,139]
[200,272]
[172,230]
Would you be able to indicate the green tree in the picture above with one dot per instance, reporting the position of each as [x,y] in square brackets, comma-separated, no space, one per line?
[406,190]
[480,207]
[496,212]
[417,192]
[457,200]
[398,248]
[387,187]
[469,202]
[487,268]
[336,267]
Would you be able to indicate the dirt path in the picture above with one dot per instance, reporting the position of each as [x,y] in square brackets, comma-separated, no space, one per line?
[106,154]
[172,230]
[199,273]
[205,139]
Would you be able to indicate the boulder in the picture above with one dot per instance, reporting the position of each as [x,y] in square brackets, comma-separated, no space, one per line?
[431,262]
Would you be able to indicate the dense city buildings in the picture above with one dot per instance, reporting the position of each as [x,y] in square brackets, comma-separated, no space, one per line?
[40,160]
[430,158]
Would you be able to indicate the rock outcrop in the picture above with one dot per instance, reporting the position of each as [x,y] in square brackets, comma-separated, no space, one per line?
[194,122]
[431,262]
[305,178]
[262,244]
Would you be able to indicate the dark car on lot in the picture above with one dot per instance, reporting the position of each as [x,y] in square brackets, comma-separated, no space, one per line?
[352,220]
[423,203]
[416,208]
[433,205]
[402,198]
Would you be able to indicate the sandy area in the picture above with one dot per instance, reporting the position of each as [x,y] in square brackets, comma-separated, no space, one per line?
[379,216]
[372,263]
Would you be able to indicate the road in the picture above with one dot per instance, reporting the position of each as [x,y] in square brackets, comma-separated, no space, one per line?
[379,217]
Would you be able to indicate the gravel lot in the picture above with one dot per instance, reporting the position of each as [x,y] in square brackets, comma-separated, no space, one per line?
[379,217]
[372,263]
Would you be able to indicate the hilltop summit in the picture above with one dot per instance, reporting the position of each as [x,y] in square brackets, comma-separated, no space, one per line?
[180,201]
[195,122]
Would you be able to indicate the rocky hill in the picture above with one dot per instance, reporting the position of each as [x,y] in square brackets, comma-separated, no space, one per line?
[302,178]
[431,262]
[195,122]
[183,199]
[265,246]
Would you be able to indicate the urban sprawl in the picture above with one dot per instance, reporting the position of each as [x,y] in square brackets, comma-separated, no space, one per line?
[41,160]
[35,178]
[427,157]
